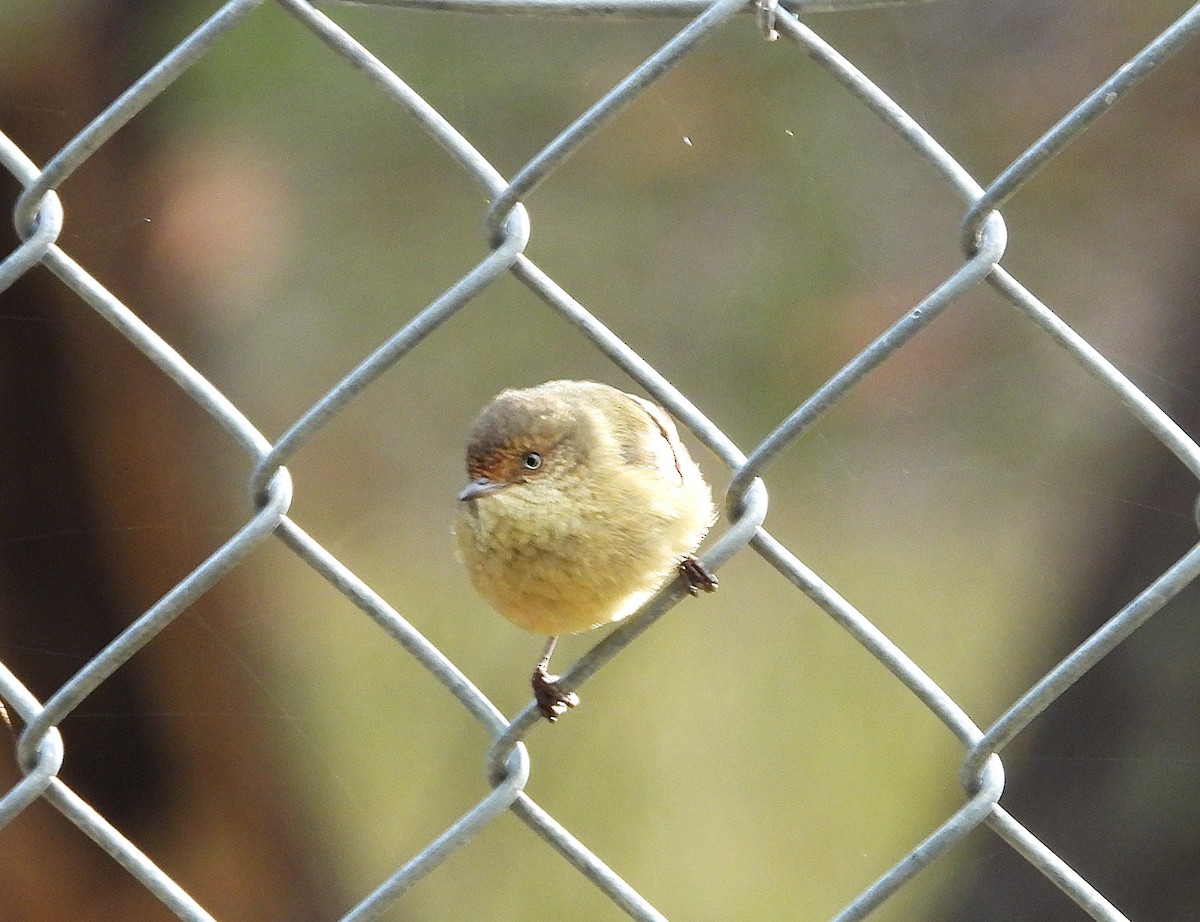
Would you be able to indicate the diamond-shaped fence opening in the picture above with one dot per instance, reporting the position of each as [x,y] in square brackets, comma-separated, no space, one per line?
[729,326]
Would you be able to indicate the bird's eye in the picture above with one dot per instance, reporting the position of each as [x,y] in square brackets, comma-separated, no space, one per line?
[532,461]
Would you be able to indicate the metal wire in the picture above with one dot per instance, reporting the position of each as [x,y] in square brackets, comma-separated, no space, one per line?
[38,217]
[619,8]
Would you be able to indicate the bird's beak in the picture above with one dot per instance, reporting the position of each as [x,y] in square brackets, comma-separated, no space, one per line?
[481,486]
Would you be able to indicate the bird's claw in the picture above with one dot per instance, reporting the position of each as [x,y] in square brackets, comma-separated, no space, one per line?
[551,700]
[697,575]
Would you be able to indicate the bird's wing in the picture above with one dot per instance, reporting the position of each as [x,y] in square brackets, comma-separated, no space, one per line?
[661,448]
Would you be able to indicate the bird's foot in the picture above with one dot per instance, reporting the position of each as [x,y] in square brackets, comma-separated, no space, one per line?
[697,575]
[552,701]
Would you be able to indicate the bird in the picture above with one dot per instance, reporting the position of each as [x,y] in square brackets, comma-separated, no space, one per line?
[581,502]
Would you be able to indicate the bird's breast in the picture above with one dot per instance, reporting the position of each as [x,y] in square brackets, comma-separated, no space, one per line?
[565,568]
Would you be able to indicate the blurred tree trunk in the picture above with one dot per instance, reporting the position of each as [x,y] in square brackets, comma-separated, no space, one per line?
[104,506]
[1107,776]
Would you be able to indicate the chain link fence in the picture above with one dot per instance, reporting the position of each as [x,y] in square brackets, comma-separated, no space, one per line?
[38,215]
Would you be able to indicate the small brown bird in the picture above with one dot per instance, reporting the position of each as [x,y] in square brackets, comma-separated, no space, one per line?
[582,503]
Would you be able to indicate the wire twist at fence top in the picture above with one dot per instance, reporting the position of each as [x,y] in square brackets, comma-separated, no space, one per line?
[38,218]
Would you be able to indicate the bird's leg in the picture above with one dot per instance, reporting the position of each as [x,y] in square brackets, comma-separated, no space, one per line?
[697,575]
[552,701]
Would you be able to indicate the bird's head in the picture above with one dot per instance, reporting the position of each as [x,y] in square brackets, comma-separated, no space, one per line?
[523,439]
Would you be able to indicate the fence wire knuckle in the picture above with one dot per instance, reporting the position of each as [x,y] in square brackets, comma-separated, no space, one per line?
[38,217]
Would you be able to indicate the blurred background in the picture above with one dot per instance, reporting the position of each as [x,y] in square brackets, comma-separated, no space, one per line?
[747,227]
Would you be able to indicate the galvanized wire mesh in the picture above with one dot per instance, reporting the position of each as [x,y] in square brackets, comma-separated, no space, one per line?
[38,218]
